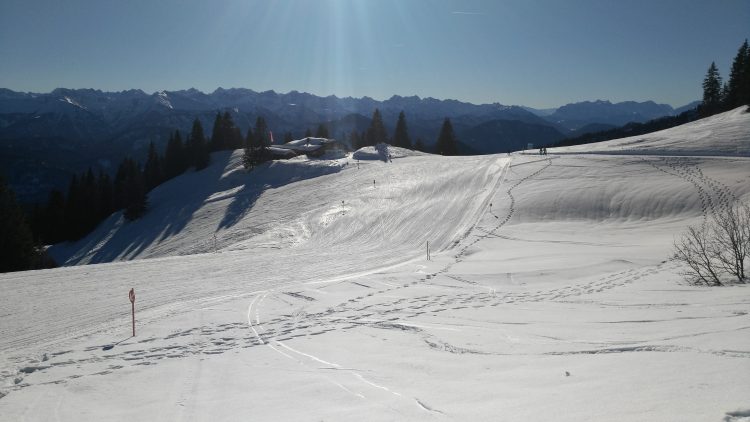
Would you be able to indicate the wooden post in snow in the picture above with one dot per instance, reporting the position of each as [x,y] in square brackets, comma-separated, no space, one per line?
[131,296]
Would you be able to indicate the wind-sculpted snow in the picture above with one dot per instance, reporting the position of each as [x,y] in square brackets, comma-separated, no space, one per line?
[549,295]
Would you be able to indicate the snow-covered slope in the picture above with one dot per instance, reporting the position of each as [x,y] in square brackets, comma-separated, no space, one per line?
[300,206]
[549,294]
[718,135]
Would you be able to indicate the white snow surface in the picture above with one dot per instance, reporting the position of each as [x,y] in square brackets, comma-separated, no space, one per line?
[549,295]
[722,134]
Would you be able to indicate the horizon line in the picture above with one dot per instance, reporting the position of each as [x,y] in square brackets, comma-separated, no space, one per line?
[349,96]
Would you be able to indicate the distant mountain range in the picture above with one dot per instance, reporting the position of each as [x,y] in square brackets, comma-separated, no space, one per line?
[576,116]
[44,138]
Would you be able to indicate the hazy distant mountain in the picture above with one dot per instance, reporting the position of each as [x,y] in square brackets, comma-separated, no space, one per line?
[576,115]
[542,112]
[686,107]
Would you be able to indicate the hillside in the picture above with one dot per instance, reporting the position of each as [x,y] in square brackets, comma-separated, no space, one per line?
[46,137]
[721,134]
[295,203]
[549,292]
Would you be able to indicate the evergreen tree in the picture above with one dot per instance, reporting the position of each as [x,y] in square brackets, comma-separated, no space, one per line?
[355,140]
[174,157]
[262,140]
[233,134]
[739,86]
[152,172]
[401,135]
[52,227]
[217,134]
[308,133]
[17,250]
[198,148]
[724,95]
[419,145]
[106,199]
[74,210]
[248,155]
[90,198]
[118,186]
[288,137]
[256,144]
[133,189]
[447,143]
[711,91]
[376,133]
[322,131]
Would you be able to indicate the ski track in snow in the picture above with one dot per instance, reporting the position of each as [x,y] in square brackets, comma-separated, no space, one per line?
[384,315]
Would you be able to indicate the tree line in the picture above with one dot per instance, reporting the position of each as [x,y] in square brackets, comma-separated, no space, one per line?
[91,197]
[719,97]
[376,133]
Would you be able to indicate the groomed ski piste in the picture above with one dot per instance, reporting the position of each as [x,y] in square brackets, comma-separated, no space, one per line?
[302,291]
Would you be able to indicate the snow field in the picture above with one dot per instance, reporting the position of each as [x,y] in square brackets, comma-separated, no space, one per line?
[557,302]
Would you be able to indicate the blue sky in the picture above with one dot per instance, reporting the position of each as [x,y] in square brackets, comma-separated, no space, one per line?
[528,52]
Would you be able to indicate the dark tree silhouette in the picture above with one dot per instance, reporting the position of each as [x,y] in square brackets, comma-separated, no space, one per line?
[197,147]
[217,135]
[174,157]
[376,133]
[17,250]
[106,200]
[447,143]
[153,174]
[711,91]
[738,87]
[132,189]
[52,226]
[248,155]
[401,134]
[256,147]
[419,145]
[355,140]
[322,131]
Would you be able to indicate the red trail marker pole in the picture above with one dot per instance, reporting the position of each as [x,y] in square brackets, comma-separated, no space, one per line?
[131,295]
